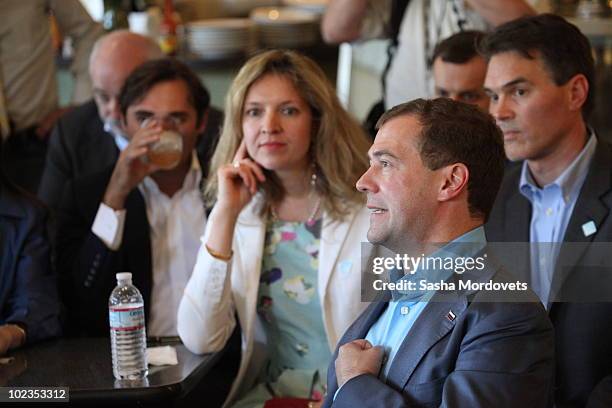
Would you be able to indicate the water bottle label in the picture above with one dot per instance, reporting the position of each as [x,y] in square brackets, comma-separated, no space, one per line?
[126,319]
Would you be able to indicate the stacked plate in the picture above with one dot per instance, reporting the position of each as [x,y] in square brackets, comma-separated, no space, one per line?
[286,27]
[315,6]
[219,38]
[241,8]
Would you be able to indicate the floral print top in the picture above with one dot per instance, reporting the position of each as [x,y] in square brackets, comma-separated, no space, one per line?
[290,309]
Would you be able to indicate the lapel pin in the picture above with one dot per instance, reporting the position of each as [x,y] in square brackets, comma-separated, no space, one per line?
[589,228]
[451,316]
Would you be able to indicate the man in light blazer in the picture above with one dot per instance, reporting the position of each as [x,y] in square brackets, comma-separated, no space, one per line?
[558,195]
[428,183]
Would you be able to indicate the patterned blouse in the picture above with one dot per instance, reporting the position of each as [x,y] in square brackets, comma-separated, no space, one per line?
[290,310]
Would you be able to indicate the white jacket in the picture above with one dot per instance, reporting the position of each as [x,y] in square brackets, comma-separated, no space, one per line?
[218,289]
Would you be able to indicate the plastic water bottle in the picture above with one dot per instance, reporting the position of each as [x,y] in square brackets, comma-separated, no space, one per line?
[127,330]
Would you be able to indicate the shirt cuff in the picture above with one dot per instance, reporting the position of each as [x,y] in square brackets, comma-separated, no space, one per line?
[108,226]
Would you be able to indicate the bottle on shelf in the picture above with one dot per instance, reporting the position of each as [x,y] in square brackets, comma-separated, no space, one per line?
[127,330]
[168,40]
[115,15]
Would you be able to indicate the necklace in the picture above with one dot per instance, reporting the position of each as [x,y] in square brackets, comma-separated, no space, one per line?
[311,218]
[315,209]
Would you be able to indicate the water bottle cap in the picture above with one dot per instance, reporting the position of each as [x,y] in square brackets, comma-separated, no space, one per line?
[122,276]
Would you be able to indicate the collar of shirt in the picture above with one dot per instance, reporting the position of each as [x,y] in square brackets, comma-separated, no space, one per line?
[175,224]
[569,182]
[464,246]
[120,140]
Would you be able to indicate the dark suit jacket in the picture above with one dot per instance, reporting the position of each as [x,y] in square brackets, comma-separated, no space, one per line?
[493,354]
[86,266]
[79,146]
[583,330]
[28,291]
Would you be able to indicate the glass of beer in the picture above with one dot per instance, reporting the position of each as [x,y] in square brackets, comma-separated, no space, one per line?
[168,150]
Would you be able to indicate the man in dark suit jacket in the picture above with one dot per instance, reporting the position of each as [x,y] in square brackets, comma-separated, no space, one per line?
[86,140]
[475,347]
[540,75]
[116,220]
[83,141]
[29,305]
[80,146]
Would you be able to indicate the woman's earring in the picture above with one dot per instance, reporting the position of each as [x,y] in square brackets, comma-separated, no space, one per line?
[313,177]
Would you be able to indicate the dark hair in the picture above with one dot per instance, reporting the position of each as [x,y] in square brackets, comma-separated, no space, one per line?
[459,48]
[151,73]
[564,50]
[455,132]
[7,185]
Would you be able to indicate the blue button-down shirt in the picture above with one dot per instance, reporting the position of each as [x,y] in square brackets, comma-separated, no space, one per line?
[396,321]
[552,207]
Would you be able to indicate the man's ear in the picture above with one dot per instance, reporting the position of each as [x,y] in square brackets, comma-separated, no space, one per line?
[454,182]
[578,88]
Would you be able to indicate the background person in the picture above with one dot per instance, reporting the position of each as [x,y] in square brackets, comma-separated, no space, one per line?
[414,27]
[135,216]
[459,70]
[90,137]
[28,86]
[281,248]
[28,292]
[541,80]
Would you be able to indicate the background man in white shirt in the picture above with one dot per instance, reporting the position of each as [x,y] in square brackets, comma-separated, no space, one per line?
[133,216]
[422,24]
[88,138]
[414,28]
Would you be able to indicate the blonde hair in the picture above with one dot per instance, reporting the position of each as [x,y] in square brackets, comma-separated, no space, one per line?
[339,145]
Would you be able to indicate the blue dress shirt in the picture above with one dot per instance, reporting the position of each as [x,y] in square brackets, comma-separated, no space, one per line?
[396,321]
[552,207]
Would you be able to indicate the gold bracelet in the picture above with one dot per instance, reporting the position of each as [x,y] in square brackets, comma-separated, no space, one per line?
[218,255]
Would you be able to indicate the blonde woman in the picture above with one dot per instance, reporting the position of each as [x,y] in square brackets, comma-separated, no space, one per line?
[281,248]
